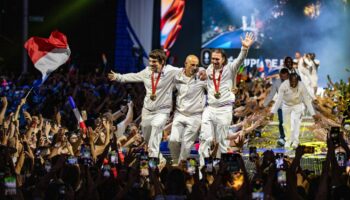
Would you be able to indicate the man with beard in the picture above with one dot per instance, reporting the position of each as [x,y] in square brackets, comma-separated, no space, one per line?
[158,79]
[217,116]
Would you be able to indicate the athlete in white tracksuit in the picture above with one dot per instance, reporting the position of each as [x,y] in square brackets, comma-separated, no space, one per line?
[291,95]
[217,116]
[190,102]
[313,67]
[158,100]
[304,68]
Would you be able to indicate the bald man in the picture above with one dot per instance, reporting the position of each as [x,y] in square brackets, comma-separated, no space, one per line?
[190,102]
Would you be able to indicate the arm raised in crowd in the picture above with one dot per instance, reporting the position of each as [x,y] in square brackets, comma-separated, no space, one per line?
[3,109]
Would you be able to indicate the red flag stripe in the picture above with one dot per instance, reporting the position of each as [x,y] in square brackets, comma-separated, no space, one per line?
[38,47]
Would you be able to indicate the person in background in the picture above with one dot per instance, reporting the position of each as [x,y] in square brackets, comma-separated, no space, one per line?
[284,75]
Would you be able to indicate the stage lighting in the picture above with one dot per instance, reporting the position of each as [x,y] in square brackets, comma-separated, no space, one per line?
[313,10]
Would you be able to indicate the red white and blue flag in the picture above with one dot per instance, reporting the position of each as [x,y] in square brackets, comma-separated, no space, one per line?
[48,54]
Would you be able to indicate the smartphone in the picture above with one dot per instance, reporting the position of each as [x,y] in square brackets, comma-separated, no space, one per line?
[106,170]
[346,124]
[144,164]
[209,164]
[10,185]
[72,160]
[341,159]
[113,157]
[85,154]
[231,159]
[129,98]
[334,136]
[309,149]
[279,160]
[282,178]
[191,166]
[152,163]
[252,154]
[37,153]
[85,151]
[258,193]
[47,166]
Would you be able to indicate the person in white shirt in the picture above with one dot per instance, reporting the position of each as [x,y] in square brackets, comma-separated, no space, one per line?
[284,74]
[315,64]
[217,116]
[291,95]
[158,79]
[190,102]
[304,68]
[296,59]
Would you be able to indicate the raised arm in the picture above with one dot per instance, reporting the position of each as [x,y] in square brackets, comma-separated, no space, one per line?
[130,77]
[246,43]
[3,109]
[271,94]
[279,100]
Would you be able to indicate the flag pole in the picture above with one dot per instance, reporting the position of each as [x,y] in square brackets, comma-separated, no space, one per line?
[29,92]
[44,79]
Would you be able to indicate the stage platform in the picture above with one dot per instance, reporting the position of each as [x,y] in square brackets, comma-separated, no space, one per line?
[268,141]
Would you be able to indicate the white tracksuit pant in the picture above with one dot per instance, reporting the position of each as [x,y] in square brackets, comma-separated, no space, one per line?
[291,123]
[183,134]
[215,125]
[152,128]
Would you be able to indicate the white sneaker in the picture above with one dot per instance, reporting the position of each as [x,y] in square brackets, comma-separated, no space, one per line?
[287,144]
[281,142]
[295,145]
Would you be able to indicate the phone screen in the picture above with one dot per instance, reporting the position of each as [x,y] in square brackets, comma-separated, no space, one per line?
[106,170]
[10,185]
[231,159]
[279,160]
[47,166]
[113,157]
[85,151]
[191,166]
[341,159]
[209,164]
[72,160]
[152,163]
[258,193]
[282,177]
[144,165]
[334,135]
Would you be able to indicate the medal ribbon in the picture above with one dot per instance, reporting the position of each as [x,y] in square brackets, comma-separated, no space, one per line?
[217,85]
[154,84]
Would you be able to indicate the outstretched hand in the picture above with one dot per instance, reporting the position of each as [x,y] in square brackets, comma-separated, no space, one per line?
[248,40]
[111,75]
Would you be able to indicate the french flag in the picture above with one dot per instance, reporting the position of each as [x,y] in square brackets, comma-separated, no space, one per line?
[77,114]
[48,54]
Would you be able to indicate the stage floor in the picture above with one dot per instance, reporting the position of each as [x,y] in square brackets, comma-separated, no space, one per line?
[268,141]
[270,135]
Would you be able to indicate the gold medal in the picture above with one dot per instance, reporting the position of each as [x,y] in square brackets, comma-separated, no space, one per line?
[153,97]
[217,95]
